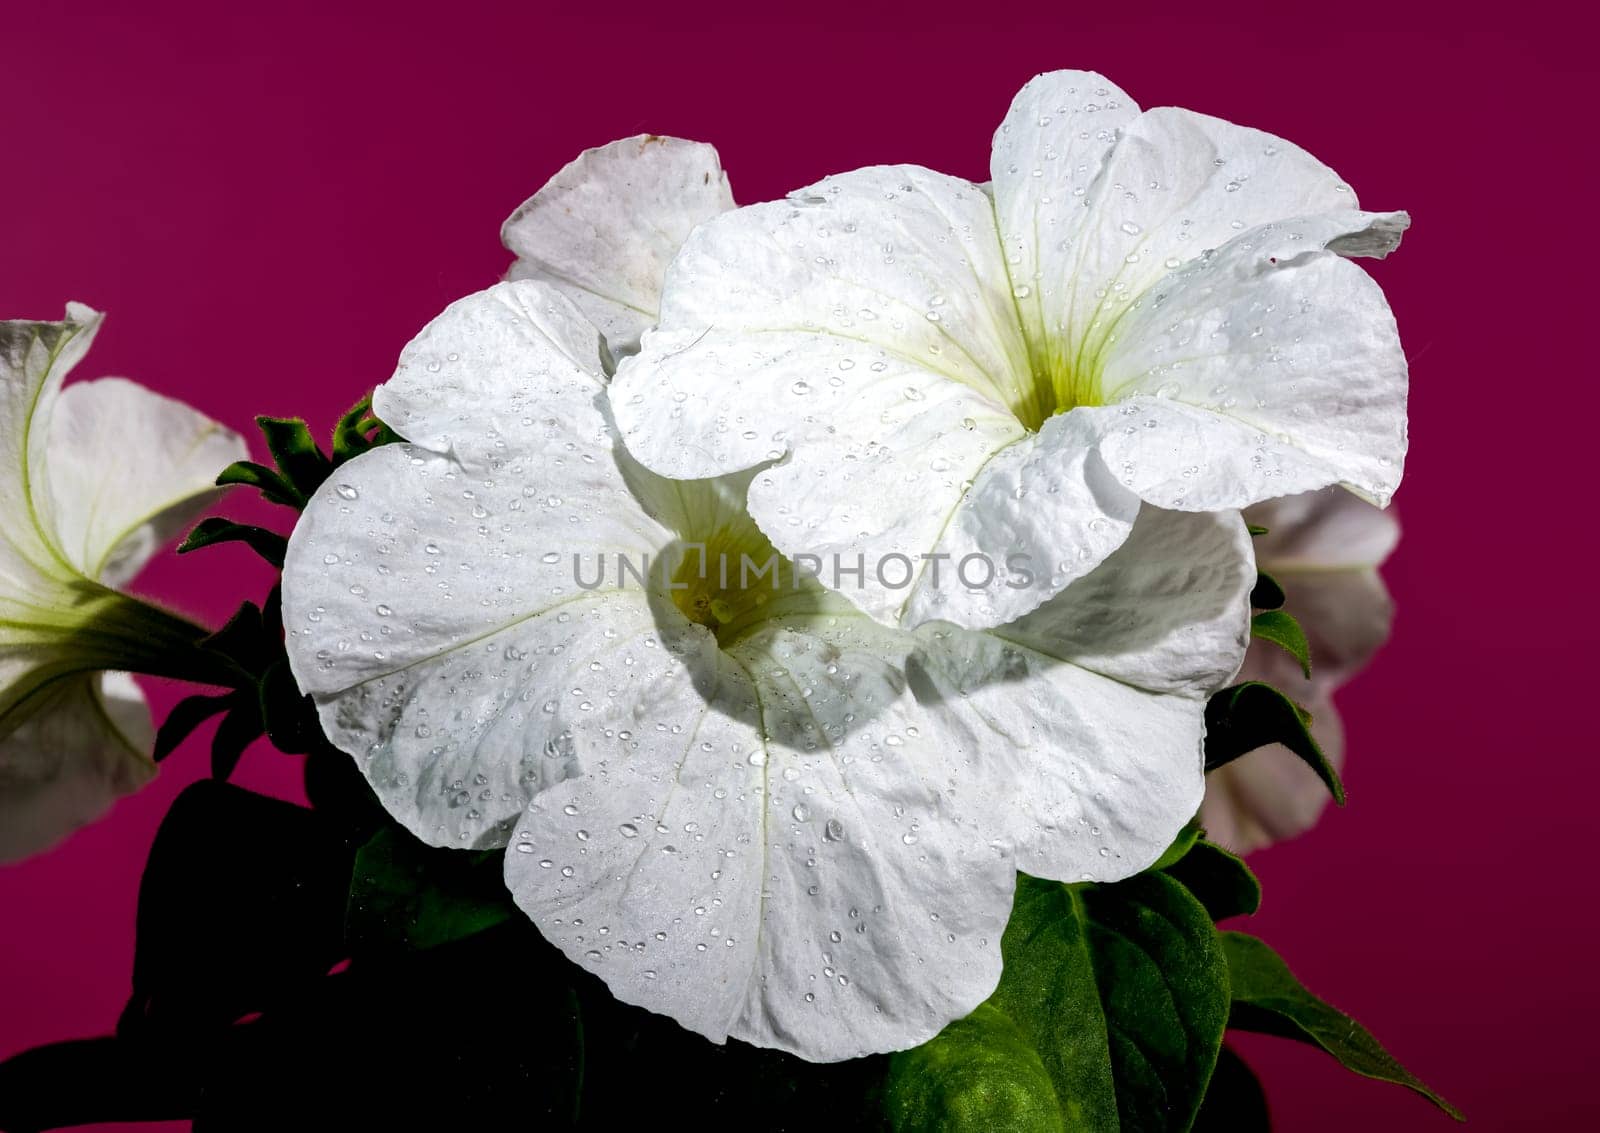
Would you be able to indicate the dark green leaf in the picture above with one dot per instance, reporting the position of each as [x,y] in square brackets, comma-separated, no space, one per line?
[1284,631]
[299,459]
[252,475]
[239,729]
[186,715]
[242,901]
[981,1072]
[209,532]
[1109,1015]
[406,894]
[1218,879]
[1246,716]
[1268,594]
[1268,998]
[1235,1101]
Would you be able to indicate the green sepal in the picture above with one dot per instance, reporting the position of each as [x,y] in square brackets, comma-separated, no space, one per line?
[358,431]
[240,728]
[294,449]
[1087,968]
[1281,628]
[209,532]
[186,715]
[1218,879]
[404,894]
[288,717]
[247,639]
[1255,529]
[1267,998]
[1181,845]
[249,474]
[1246,716]
[1268,592]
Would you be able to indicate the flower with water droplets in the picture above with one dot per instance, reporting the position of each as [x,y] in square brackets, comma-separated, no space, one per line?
[1141,306]
[604,228]
[1325,548]
[94,478]
[727,791]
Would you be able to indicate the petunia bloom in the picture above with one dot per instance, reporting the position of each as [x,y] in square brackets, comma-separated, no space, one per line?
[94,478]
[1325,549]
[729,793]
[1141,306]
[604,228]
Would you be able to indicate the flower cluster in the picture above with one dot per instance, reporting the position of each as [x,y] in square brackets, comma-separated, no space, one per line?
[790,805]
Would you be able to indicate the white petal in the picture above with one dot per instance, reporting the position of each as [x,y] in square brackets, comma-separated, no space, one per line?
[130,470]
[880,351]
[1272,368]
[430,594]
[1047,156]
[1177,185]
[67,763]
[603,230]
[34,359]
[765,851]
[1168,611]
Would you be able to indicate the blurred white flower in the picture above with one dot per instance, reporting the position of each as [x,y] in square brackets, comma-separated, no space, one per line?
[94,478]
[1148,307]
[1325,549]
[737,799]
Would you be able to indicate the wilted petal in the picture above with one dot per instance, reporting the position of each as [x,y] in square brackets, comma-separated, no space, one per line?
[603,230]
[71,759]
[110,521]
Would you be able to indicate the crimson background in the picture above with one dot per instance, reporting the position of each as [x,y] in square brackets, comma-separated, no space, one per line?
[270,199]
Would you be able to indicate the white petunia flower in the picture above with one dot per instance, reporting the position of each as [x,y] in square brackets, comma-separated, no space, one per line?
[739,800]
[1325,548]
[94,478]
[1143,306]
[603,230]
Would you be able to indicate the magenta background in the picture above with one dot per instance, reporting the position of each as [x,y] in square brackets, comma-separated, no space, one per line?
[269,203]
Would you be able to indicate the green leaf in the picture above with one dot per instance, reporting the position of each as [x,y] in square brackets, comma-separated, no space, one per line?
[299,459]
[1218,879]
[252,475]
[1268,998]
[405,894]
[1255,529]
[186,715]
[209,532]
[1268,594]
[1246,716]
[1109,1015]
[1284,631]
[1235,1101]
